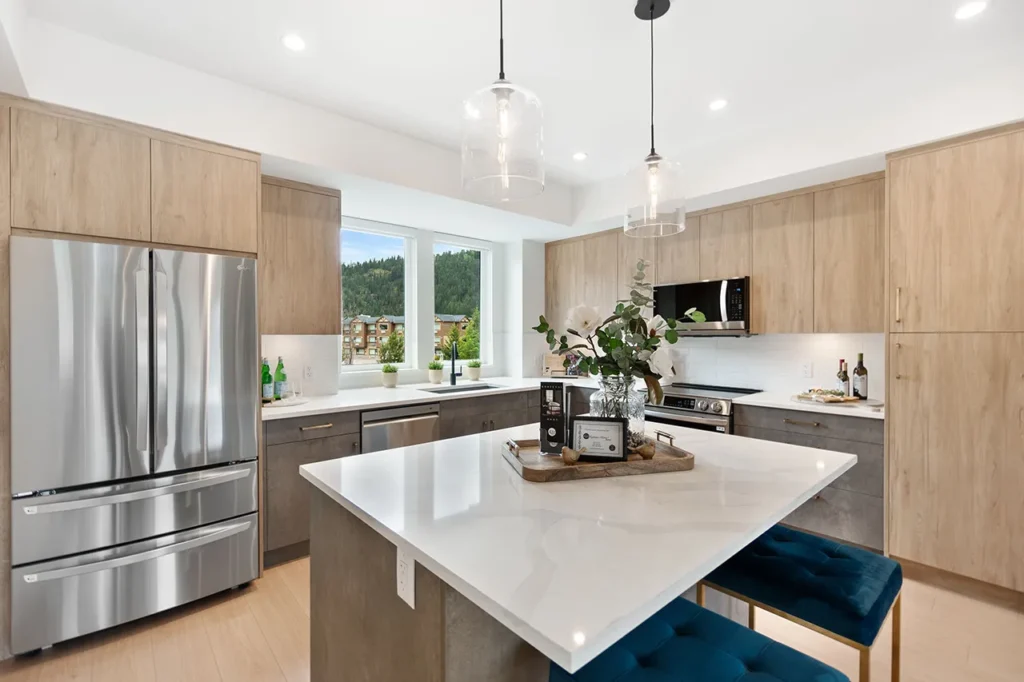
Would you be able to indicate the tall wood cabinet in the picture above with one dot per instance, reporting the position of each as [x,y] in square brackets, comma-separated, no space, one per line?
[782,283]
[678,257]
[725,243]
[955,370]
[578,272]
[300,259]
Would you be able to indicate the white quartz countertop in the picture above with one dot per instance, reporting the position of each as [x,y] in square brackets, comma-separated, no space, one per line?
[872,410]
[378,396]
[573,566]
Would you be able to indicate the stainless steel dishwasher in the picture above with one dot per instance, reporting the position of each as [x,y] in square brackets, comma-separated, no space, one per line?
[400,426]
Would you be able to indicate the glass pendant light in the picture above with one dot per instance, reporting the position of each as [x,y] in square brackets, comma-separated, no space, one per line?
[502,137]
[658,181]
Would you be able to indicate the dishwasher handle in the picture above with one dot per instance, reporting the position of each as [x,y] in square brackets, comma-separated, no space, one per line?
[377,416]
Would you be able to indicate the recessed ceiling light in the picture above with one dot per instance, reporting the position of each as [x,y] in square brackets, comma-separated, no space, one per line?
[718,104]
[579,156]
[294,42]
[971,9]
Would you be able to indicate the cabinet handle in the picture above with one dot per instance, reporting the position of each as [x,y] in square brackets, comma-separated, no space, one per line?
[492,425]
[796,422]
[483,425]
[315,428]
[899,295]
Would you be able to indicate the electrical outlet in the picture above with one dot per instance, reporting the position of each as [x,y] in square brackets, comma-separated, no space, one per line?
[307,372]
[808,370]
[406,577]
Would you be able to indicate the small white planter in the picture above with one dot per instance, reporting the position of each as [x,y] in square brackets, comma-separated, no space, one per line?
[472,373]
[435,375]
[389,379]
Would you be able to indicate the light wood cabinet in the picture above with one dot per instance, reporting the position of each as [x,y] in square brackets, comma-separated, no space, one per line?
[956,237]
[955,417]
[578,272]
[678,256]
[631,250]
[204,198]
[725,244]
[599,271]
[782,279]
[79,178]
[300,259]
[849,258]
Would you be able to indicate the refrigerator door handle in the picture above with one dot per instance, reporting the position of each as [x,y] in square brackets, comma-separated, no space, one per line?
[160,322]
[192,482]
[142,361]
[107,564]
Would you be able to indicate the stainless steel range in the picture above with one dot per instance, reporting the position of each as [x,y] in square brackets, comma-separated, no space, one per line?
[708,408]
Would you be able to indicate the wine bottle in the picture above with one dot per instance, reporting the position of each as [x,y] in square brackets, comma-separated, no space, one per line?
[843,378]
[860,378]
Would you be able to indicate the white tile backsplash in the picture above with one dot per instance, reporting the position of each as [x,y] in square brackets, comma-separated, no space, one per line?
[775,362]
[319,353]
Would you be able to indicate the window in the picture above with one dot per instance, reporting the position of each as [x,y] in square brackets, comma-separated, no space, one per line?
[373,274]
[458,297]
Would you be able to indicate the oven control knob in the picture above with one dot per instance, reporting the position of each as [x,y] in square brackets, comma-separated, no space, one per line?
[702,405]
[716,408]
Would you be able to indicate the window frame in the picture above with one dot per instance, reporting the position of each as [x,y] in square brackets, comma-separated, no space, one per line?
[487,321]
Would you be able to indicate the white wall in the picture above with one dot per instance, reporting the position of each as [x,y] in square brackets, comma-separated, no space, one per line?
[775,362]
[524,288]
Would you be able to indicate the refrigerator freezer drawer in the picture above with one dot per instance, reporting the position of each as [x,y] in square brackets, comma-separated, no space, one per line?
[50,526]
[58,600]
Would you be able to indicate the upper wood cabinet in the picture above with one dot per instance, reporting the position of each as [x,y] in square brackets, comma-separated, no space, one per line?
[300,259]
[782,279]
[631,250]
[955,416]
[725,244]
[204,198]
[678,256]
[956,237]
[78,177]
[578,272]
[849,258]
[599,271]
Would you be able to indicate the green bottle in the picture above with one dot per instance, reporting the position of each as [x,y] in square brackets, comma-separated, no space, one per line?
[267,382]
[280,380]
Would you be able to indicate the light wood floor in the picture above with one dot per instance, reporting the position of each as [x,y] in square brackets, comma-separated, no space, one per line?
[262,633]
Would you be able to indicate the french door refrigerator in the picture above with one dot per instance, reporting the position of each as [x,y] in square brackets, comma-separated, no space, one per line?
[133,430]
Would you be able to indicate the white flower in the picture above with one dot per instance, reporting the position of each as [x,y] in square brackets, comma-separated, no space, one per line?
[660,362]
[583,319]
[658,324]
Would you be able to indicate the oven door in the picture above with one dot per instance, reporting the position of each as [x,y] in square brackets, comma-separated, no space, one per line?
[689,420]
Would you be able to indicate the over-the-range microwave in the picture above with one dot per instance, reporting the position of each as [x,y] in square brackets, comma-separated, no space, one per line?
[724,302]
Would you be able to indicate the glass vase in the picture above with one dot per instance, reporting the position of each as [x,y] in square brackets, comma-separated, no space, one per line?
[618,398]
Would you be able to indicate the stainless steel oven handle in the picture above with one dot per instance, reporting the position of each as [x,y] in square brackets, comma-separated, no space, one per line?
[142,361]
[206,480]
[684,418]
[107,564]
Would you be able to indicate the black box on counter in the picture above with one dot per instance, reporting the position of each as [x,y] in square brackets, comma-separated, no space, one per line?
[552,417]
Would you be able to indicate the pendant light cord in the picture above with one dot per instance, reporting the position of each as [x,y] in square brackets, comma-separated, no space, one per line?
[501,39]
[652,78]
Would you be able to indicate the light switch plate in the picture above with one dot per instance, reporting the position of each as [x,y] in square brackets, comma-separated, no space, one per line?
[406,577]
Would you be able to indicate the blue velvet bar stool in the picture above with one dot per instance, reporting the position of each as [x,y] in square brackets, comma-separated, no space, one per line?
[840,591]
[686,643]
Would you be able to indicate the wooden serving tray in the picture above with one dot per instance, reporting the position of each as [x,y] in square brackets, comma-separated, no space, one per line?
[536,467]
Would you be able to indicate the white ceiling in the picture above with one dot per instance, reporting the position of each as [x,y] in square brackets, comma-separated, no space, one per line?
[405,65]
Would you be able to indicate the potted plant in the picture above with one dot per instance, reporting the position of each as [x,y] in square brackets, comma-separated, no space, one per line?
[389,376]
[435,370]
[619,348]
[473,370]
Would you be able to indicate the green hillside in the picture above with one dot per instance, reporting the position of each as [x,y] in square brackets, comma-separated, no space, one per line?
[375,287]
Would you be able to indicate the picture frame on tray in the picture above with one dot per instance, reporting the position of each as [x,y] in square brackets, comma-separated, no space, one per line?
[603,438]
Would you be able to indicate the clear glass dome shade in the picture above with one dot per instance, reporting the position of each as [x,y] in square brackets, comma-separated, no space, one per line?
[503,143]
[654,199]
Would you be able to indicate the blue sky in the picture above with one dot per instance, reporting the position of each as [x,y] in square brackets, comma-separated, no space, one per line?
[357,247]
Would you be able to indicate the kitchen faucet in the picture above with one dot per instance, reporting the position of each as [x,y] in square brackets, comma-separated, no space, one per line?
[455,356]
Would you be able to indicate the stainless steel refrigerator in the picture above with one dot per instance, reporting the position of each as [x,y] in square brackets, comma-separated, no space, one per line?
[134,389]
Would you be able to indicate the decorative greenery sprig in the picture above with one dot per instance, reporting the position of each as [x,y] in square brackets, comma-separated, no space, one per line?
[626,343]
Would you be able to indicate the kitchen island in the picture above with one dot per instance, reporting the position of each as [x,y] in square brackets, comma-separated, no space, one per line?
[510,574]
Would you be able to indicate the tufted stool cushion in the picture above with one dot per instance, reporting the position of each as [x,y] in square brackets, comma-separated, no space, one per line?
[686,643]
[845,590]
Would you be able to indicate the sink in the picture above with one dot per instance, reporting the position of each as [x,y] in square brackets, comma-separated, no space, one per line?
[460,389]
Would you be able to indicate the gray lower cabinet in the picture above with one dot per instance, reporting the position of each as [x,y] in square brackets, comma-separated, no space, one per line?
[469,415]
[286,494]
[579,400]
[851,509]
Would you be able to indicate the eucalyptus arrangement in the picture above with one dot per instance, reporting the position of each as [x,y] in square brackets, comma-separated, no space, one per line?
[626,345]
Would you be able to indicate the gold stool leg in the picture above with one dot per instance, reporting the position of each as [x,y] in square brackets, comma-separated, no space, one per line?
[865,664]
[896,625]
[700,594]
[750,616]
